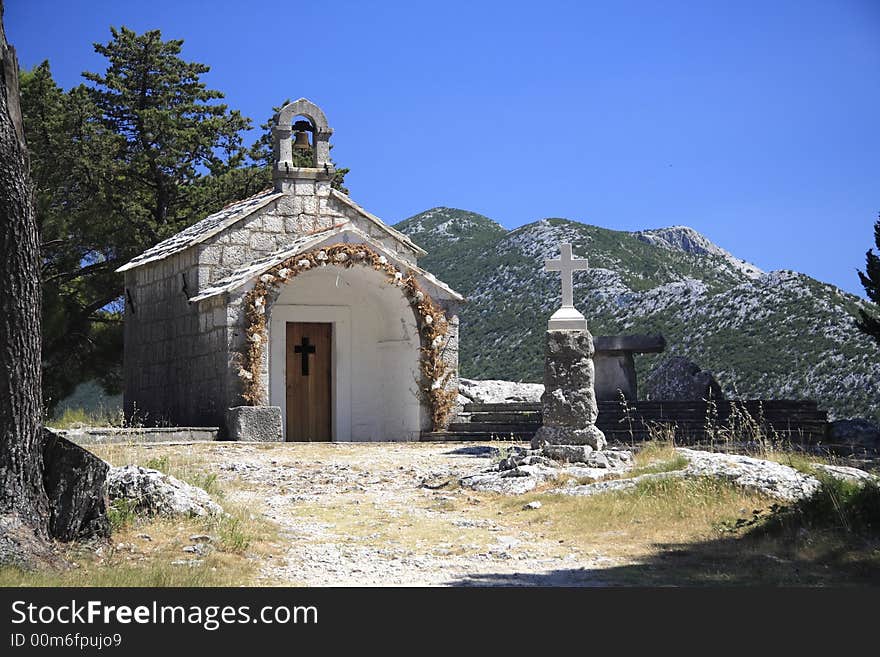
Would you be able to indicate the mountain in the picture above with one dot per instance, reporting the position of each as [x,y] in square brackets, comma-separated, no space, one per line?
[777,334]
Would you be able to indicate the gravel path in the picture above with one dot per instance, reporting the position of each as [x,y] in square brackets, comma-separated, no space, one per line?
[380,515]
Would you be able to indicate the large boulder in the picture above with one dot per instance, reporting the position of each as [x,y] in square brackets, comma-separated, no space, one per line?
[493,391]
[680,379]
[74,480]
[860,433]
[156,493]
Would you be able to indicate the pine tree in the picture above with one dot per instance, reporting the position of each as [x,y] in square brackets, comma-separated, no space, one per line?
[141,151]
[870,323]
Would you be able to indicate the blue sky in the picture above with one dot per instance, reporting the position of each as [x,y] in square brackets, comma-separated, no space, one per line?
[756,123]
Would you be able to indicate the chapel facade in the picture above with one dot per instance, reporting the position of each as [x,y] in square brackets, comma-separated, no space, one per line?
[296,298]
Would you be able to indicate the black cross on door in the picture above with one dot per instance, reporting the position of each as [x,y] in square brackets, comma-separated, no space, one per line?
[304,349]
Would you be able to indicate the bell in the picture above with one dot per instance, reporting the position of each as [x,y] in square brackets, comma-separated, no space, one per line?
[301,143]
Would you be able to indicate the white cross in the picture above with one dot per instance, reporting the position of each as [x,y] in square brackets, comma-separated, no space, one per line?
[566,266]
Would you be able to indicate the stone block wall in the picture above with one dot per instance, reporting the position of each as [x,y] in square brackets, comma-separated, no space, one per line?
[450,349]
[310,208]
[173,349]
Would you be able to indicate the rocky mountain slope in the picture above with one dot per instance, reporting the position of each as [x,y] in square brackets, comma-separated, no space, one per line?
[778,334]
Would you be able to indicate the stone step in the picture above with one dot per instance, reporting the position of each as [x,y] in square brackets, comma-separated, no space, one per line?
[521,417]
[486,427]
[474,407]
[476,436]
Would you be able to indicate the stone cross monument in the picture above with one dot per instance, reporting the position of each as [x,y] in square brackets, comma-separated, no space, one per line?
[567,318]
[569,399]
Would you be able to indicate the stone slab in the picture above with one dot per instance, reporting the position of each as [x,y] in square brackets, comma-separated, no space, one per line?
[640,344]
[114,435]
[255,424]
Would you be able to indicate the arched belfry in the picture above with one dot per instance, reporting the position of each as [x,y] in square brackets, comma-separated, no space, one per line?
[288,133]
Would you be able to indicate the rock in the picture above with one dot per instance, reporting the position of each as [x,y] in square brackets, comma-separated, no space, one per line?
[535,459]
[581,472]
[192,563]
[679,379]
[509,482]
[255,424]
[201,538]
[532,506]
[846,473]
[767,477]
[856,432]
[621,455]
[493,391]
[615,485]
[591,436]
[156,493]
[523,469]
[569,400]
[598,460]
[508,463]
[74,479]
[567,453]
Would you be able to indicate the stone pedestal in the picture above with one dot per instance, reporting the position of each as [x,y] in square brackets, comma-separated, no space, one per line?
[254,424]
[569,399]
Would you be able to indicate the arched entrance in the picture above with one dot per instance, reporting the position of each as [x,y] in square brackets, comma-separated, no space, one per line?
[344,356]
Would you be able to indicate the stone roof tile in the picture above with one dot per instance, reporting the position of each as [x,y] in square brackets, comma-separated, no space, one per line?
[202,230]
[247,272]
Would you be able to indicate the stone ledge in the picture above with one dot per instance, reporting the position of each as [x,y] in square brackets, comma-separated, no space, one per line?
[102,435]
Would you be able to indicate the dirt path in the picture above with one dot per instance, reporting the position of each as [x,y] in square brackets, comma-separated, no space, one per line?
[380,514]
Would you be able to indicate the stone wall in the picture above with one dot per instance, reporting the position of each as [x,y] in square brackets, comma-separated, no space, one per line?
[450,349]
[312,207]
[175,352]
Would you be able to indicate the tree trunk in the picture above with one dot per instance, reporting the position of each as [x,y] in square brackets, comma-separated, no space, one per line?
[24,512]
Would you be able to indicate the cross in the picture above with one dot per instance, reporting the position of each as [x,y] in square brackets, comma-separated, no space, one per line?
[305,349]
[566,266]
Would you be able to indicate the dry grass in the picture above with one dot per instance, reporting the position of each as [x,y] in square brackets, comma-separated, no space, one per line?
[142,550]
[631,522]
[705,531]
[131,559]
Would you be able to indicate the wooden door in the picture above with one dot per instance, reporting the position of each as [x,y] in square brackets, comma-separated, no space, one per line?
[308,380]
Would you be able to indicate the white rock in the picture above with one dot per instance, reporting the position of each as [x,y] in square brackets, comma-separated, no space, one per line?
[494,391]
[155,492]
[846,473]
[767,477]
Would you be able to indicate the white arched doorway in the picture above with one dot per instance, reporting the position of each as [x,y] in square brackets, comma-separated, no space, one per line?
[374,352]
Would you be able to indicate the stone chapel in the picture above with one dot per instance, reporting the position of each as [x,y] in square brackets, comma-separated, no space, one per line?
[296,298]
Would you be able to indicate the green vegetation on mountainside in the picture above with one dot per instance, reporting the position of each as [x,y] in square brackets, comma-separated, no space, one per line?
[777,335]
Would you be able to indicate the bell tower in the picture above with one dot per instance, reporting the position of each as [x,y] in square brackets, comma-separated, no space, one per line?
[292,147]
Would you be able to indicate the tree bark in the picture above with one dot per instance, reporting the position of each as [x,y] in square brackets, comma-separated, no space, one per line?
[24,509]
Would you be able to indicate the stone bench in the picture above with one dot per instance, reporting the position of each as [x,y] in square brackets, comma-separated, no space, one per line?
[615,367]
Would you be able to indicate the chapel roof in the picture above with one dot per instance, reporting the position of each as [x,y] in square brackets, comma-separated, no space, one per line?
[202,230]
[234,212]
[346,233]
